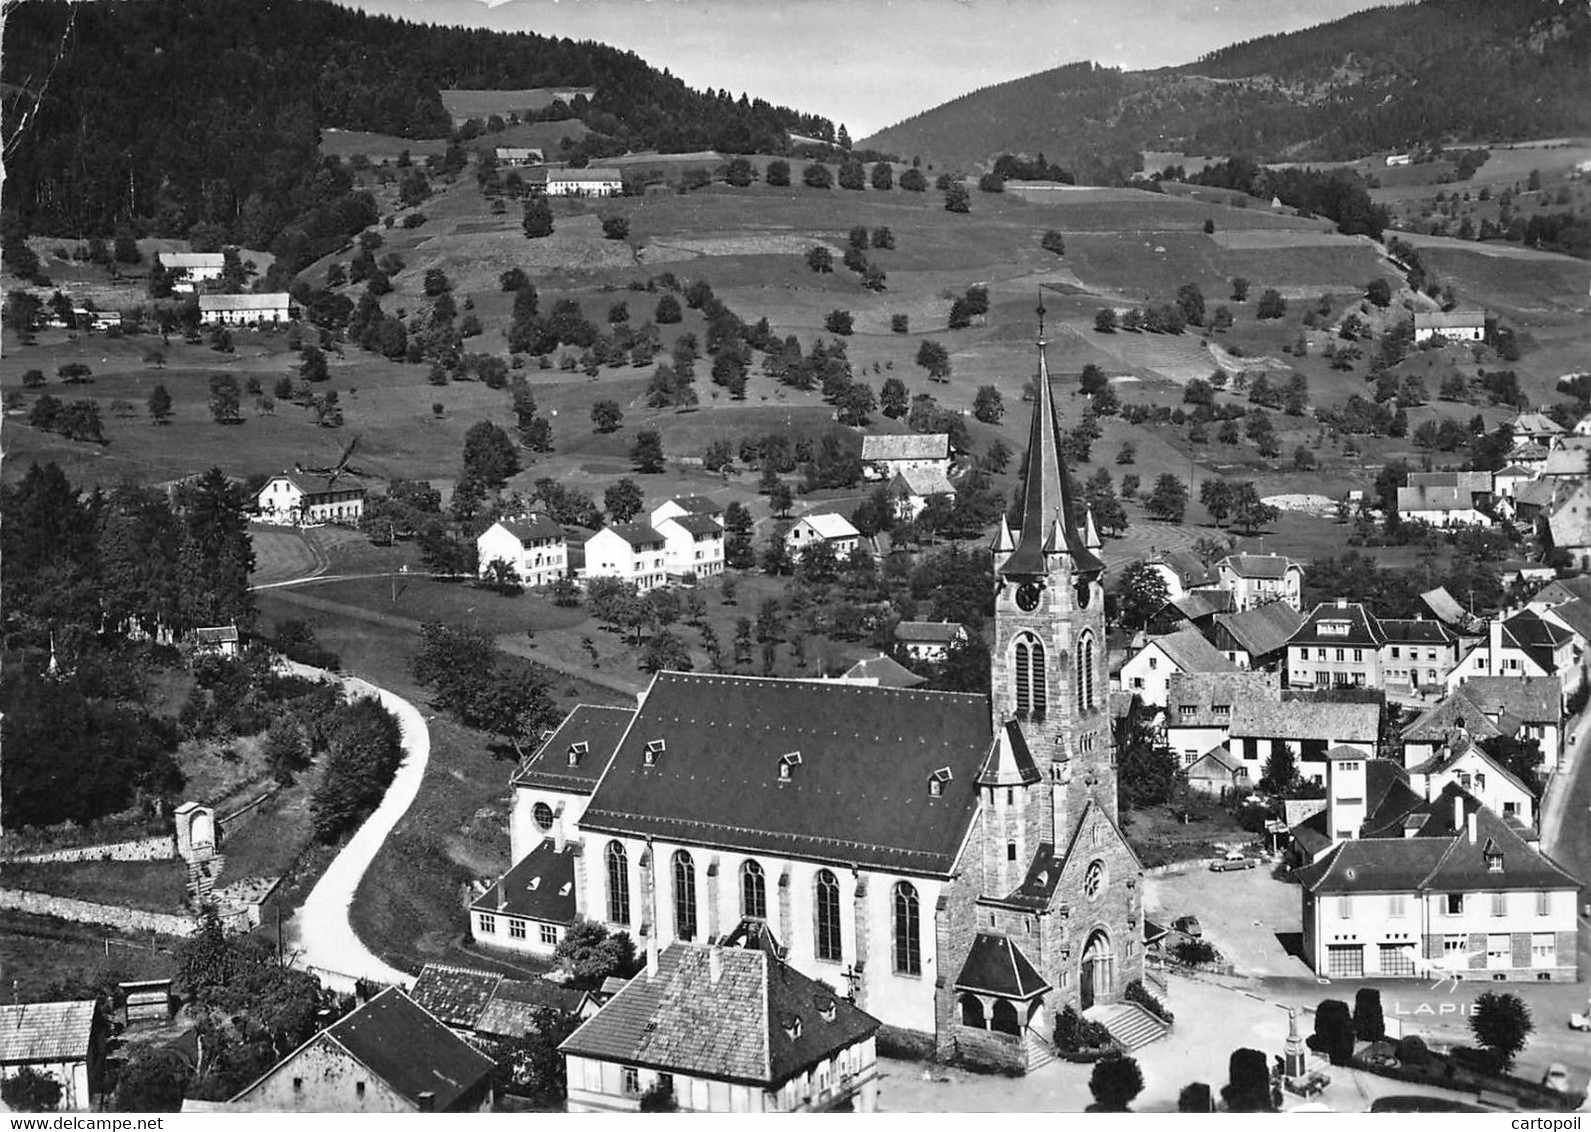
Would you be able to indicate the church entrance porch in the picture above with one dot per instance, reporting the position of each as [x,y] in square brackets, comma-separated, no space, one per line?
[1098,980]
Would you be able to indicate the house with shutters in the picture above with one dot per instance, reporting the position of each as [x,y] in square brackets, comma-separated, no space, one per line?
[693,546]
[725,1027]
[884,455]
[1337,646]
[388,1056]
[246,310]
[1199,708]
[1416,653]
[594,181]
[1536,427]
[1447,499]
[902,845]
[1146,671]
[1185,573]
[631,552]
[1525,645]
[304,499]
[1434,888]
[1528,707]
[1462,761]
[833,530]
[1260,579]
[534,545]
[1310,729]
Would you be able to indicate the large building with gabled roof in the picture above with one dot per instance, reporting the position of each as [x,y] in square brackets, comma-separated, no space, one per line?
[889,839]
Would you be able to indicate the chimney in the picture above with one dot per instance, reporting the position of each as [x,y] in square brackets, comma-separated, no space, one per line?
[557,829]
[1342,603]
[715,963]
[502,895]
[1471,827]
[427,1101]
[1458,812]
[651,952]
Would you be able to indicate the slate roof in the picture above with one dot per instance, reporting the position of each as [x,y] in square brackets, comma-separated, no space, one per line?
[1533,699]
[455,995]
[1576,615]
[1190,652]
[1363,631]
[1262,630]
[887,671]
[907,446]
[831,526]
[696,524]
[1434,497]
[541,887]
[1050,516]
[216,635]
[1190,569]
[511,1011]
[860,795]
[995,965]
[315,485]
[1536,424]
[1445,760]
[636,534]
[598,728]
[930,632]
[46,1031]
[532,529]
[1303,719]
[274,300]
[1012,761]
[1570,520]
[924,481]
[404,1046]
[581,176]
[1402,631]
[1373,865]
[1204,603]
[1536,637]
[1203,690]
[698,504]
[1449,320]
[761,1023]
[1265,566]
[1576,587]
[1457,710]
[187,261]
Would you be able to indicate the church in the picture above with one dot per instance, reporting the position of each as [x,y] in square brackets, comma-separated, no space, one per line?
[949,861]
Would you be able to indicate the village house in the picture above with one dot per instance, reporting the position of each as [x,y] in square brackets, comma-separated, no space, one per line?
[531,906]
[1337,646]
[834,530]
[1439,888]
[216,640]
[1529,707]
[1185,573]
[1534,500]
[1455,326]
[533,545]
[245,310]
[1526,644]
[1197,610]
[891,840]
[486,1004]
[1447,499]
[1257,638]
[1536,428]
[724,1028]
[1217,773]
[518,157]
[1531,456]
[1462,761]
[186,270]
[1567,460]
[1146,671]
[390,1055]
[693,547]
[304,499]
[1561,591]
[596,181]
[682,505]
[884,455]
[1566,533]
[1310,729]
[911,488]
[1416,653]
[929,640]
[631,552]
[1260,579]
[64,1040]
[1507,481]
[1199,708]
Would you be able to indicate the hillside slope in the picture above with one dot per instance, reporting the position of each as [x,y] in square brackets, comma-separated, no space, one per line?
[1383,79]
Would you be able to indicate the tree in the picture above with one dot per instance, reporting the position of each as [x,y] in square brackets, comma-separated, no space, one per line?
[883,176]
[934,358]
[623,500]
[606,415]
[153,1080]
[1271,304]
[538,218]
[1379,292]
[957,199]
[820,259]
[893,398]
[1369,1022]
[1248,1087]
[1169,499]
[987,406]
[532,1065]
[668,311]
[1334,1033]
[225,401]
[29,1090]
[313,367]
[666,651]
[615,228]
[1191,301]
[1105,320]
[1115,1082]
[1195,1097]
[489,456]
[780,500]
[1240,287]
[1148,769]
[1501,1023]
[1281,770]
[778,173]
[1144,593]
[1053,241]
[159,405]
[646,454]
[817,176]
[838,322]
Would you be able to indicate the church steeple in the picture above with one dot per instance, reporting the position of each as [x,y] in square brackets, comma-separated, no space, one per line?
[1049,520]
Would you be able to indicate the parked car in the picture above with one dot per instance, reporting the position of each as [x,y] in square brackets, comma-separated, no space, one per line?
[1232,861]
[1557,1077]
[1188,925]
[1578,1021]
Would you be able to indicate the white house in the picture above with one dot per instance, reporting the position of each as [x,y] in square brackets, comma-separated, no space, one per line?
[301,499]
[1446,499]
[1311,729]
[592,182]
[245,310]
[186,269]
[912,488]
[65,1040]
[1508,480]
[693,546]
[687,505]
[1528,707]
[634,552]
[518,156]
[1538,427]
[1528,644]
[836,530]
[531,906]
[1146,672]
[929,640]
[884,455]
[1259,579]
[1455,326]
[534,546]
[1199,708]
[780,1041]
[1462,762]
[1184,573]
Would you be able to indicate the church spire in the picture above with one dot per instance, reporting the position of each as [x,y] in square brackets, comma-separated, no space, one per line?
[1049,522]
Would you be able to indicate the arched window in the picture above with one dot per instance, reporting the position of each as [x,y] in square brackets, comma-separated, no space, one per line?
[908,950]
[1085,672]
[684,896]
[753,891]
[1027,659]
[828,915]
[618,883]
[1003,1018]
[972,1011]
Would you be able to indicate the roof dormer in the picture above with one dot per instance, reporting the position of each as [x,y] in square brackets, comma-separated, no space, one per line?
[577,751]
[937,781]
[787,765]
[654,751]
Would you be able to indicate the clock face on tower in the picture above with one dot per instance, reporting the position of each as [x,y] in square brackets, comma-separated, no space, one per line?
[1027,597]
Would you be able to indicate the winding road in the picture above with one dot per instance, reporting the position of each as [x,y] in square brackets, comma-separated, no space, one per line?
[320,938]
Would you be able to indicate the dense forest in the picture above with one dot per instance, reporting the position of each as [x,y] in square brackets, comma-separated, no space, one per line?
[1386,78]
[167,114]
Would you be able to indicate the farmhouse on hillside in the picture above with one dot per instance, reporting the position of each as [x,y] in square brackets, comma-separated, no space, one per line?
[912,488]
[245,310]
[303,499]
[884,455]
[834,530]
[1457,326]
[188,269]
[929,640]
[591,182]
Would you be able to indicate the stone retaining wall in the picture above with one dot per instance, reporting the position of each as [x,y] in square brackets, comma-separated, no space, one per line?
[162,848]
[111,915]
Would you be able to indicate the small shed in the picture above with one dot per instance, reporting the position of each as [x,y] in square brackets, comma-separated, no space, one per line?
[146,1000]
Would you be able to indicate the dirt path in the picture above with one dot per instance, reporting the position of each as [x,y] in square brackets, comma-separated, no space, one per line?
[319,937]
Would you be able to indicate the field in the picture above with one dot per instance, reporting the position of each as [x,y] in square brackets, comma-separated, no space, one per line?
[47,959]
[158,886]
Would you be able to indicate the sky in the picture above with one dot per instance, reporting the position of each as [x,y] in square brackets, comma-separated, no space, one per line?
[868,64]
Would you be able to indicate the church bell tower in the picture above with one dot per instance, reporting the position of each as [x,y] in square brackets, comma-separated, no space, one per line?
[1050,676]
